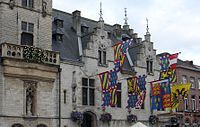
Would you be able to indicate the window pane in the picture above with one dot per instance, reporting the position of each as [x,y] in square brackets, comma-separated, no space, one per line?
[184,78]
[104,57]
[118,99]
[199,83]
[99,53]
[91,82]
[119,86]
[151,66]
[84,81]
[59,37]
[31,3]
[24,3]
[84,95]
[92,96]
[147,66]
[64,92]
[24,26]
[30,27]
[192,82]
[59,23]
[26,39]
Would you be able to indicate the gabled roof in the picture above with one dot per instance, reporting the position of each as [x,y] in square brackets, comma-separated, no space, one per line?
[69,47]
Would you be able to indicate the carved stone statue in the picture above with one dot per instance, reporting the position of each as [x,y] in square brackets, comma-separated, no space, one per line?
[29,105]
[44,8]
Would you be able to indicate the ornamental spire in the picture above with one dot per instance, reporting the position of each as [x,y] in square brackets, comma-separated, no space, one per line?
[101,14]
[126,18]
[147,26]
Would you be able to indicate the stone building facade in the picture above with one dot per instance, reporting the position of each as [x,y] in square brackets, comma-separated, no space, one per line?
[79,40]
[41,88]
[29,70]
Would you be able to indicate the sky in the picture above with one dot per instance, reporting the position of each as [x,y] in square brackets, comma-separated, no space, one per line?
[174,25]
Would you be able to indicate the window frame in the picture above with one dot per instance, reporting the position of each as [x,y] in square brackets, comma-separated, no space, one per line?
[102,56]
[185,104]
[28,3]
[184,79]
[119,95]
[194,103]
[192,81]
[88,88]
[149,64]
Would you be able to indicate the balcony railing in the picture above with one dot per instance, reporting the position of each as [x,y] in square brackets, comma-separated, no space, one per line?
[30,54]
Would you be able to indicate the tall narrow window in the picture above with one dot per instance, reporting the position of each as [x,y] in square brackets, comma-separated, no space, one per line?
[199,83]
[119,95]
[88,92]
[102,55]
[27,33]
[28,3]
[185,104]
[64,92]
[192,81]
[184,79]
[149,66]
[193,103]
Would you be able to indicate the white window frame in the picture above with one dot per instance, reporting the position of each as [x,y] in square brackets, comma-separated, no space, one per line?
[198,83]
[185,104]
[192,81]
[184,78]
[194,104]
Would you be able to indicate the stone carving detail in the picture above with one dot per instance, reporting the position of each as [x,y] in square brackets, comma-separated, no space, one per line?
[30,87]
[44,8]
[34,54]
[12,4]
[74,85]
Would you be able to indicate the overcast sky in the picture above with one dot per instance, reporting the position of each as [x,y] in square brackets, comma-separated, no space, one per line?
[174,24]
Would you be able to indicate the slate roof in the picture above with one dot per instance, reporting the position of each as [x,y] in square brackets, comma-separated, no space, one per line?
[69,47]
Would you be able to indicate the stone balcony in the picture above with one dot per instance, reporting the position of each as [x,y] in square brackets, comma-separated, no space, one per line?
[29,54]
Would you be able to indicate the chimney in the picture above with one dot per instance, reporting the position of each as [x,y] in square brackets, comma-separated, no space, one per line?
[76,22]
[117,27]
[77,27]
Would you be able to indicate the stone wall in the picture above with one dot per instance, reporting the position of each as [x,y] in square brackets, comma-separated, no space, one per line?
[11,23]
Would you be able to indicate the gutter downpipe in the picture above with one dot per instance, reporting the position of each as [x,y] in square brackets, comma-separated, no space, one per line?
[59,97]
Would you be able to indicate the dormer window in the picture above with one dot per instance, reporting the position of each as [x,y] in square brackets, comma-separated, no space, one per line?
[59,23]
[58,37]
[84,29]
[102,55]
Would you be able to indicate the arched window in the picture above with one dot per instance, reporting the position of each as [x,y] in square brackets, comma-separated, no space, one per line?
[17,125]
[41,125]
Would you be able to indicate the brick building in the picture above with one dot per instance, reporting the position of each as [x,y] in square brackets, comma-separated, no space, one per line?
[188,72]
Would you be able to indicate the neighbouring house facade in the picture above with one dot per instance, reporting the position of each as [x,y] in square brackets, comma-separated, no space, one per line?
[188,72]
